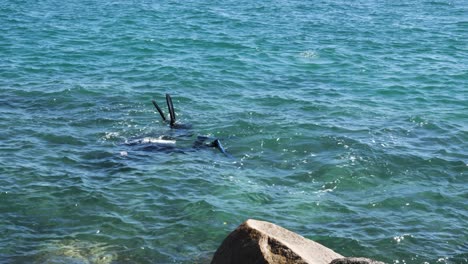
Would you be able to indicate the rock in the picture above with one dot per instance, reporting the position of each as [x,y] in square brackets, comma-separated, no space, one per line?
[259,242]
[355,261]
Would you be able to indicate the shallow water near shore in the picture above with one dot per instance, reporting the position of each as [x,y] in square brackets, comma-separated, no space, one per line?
[347,123]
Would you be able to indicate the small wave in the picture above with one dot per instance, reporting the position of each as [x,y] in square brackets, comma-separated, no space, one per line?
[61,139]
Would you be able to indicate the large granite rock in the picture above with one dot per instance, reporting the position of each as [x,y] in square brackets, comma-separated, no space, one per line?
[258,242]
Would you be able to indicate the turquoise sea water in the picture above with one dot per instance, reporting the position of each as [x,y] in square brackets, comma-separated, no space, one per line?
[347,122]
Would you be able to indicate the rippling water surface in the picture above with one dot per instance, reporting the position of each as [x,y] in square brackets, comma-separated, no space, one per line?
[347,122]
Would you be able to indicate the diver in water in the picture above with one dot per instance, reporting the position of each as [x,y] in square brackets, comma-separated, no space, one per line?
[167,143]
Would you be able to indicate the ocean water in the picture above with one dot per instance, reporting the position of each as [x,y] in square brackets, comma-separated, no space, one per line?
[345,121]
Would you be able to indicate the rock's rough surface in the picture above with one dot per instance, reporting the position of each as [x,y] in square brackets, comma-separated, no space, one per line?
[355,261]
[259,242]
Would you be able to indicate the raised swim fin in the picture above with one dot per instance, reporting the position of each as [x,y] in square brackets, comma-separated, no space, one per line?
[170,106]
[159,110]
[217,144]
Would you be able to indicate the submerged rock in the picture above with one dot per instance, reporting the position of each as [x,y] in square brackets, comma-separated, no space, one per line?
[260,242]
[355,261]
[76,252]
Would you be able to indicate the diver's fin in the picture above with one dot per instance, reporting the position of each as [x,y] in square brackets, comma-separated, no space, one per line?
[171,109]
[217,144]
[159,110]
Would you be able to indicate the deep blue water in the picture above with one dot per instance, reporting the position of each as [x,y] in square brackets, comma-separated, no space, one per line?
[346,122]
